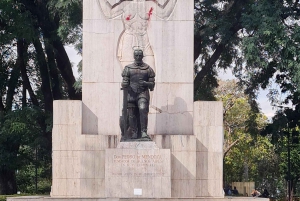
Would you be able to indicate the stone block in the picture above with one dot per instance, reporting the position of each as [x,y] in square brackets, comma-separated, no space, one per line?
[99,190]
[173,98]
[100,164]
[172,124]
[202,187]
[87,165]
[135,168]
[104,116]
[90,142]
[202,165]
[202,138]
[162,141]
[66,164]
[59,170]
[209,165]
[183,143]
[208,113]
[178,48]
[87,187]
[117,182]
[66,137]
[183,188]
[100,69]
[183,14]
[66,112]
[137,145]
[73,187]
[92,27]
[209,138]
[216,188]
[91,10]
[183,165]
[59,187]
[210,188]
[166,185]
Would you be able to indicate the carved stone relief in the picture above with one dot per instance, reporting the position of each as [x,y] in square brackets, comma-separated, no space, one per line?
[136,16]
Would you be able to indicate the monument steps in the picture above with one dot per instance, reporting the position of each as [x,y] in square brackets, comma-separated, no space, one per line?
[41,198]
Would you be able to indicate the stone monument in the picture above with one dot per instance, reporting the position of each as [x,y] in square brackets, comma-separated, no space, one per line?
[184,160]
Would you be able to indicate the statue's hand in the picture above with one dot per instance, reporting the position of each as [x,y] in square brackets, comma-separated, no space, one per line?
[125,84]
[143,83]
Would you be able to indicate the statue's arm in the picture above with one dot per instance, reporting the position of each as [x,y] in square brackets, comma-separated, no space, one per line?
[151,79]
[125,75]
[164,11]
[111,11]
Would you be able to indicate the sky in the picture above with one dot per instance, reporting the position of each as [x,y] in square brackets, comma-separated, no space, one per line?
[263,101]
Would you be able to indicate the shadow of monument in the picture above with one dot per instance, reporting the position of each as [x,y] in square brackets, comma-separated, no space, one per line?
[167,134]
[89,121]
[174,119]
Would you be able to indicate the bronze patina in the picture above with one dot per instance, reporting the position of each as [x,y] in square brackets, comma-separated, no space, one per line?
[138,79]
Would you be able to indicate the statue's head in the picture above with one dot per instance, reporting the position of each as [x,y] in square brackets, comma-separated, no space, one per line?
[138,55]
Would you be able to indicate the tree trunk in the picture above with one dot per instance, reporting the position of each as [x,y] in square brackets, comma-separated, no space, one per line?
[21,49]
[46,89]
[49,28]
[24,96]
[55,82]
[236,26]
[208,66]
[8,184]
[12,84]
[1,104]
[65,68]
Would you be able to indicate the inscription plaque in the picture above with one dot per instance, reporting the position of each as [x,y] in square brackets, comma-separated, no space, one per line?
[129,169]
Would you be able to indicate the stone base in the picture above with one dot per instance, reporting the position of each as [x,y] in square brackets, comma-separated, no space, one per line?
[137,169]
[40,198]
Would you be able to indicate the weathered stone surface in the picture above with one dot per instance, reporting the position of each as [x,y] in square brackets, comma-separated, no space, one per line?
[143,168]
[137,145]
[171,43]
[41,198]
[208,129]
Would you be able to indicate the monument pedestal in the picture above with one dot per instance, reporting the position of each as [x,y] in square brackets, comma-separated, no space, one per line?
[138,169]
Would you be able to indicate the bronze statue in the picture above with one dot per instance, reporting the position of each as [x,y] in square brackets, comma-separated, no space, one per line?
[138,79]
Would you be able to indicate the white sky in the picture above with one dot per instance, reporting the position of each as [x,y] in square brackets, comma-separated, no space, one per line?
[75,58]
[264,104]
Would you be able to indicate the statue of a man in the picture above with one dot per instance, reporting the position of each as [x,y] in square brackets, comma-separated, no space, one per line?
[138,79]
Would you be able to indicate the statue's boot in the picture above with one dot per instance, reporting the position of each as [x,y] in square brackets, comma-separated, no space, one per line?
[134,134]
[145,135]
[144,109]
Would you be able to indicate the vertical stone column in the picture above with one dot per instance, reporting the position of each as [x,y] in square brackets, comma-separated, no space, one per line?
[183,163]
[66,135]
[208,128]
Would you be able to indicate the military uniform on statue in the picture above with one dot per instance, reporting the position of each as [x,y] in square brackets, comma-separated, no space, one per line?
[138,79]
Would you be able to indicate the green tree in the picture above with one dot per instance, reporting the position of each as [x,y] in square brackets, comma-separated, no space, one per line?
[34,71]
[259,41]
[246,153]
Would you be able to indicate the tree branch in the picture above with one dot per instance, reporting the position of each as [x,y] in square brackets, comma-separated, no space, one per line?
[21,49]
[230,146]
[46,88]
